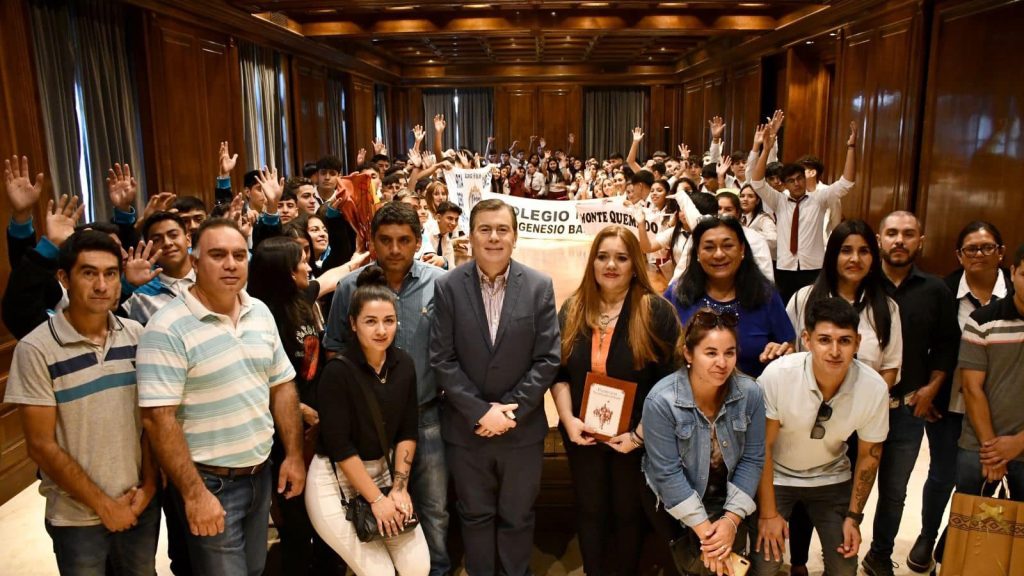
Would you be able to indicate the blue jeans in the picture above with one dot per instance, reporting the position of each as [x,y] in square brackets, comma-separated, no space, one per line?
[970,481]
[242,547]
[429,490]
[943,435]
[86,550]
[899,454]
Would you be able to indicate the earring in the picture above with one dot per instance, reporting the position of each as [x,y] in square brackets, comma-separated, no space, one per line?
[688,365]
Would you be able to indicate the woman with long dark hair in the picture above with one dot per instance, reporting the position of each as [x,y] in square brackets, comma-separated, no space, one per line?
[852,270]
[615,324]
[279,276]
[703,469]
[352,459]
[754,217]
[721,275]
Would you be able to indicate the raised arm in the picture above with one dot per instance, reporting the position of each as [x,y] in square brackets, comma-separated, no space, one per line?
[634,147]
[716,126]
[439,126]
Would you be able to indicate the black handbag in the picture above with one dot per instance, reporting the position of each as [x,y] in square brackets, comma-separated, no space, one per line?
[357,510]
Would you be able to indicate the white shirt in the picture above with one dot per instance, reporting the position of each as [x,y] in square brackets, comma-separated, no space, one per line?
[792,396]
[870,352]
[811,245]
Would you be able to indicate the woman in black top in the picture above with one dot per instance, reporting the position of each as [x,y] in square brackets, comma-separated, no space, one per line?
[350,459]
[279,276]
[615,324]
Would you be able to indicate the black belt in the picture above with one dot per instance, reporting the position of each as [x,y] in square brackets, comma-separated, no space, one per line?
[226,472]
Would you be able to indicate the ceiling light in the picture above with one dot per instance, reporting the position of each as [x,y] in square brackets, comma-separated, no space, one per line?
[832,34]
[398,8]
[672,5]
[554,13]
[476,6]
[594,4]
[809,42]
[662,48]
[752,5]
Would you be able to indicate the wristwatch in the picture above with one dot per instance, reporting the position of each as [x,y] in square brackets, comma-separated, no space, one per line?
[857,517]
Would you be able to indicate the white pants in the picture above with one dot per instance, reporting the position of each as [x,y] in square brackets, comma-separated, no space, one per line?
[406,554]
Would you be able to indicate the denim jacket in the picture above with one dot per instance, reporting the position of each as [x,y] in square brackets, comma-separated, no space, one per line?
[677,437]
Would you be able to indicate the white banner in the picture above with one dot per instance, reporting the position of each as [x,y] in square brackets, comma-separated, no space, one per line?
[552,219]
[466,187]
[595,215]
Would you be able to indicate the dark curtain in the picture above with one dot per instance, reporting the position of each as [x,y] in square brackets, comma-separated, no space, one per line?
[380,97]
[475,118]
[609,116]
[90,108]
[336,127]
[109,101]
[439,102]
[263,105]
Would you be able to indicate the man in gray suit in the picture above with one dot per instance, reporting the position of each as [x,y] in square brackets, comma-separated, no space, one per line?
[495,350]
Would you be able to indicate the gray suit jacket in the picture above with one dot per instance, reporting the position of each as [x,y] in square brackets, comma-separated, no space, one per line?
[517,368]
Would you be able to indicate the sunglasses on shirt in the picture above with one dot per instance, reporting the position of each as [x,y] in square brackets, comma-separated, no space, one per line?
[824,414]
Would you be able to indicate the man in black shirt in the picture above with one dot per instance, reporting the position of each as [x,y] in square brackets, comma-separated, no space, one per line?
[929,329]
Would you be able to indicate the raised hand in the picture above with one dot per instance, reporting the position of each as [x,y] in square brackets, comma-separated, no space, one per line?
[121,187]
[723,169]
[490,140]
[270,185]
[638,134]
[439,123]
[547,154]
[852,140]
[572,138]
[161,202]
[225,161]
[418,133]
[62,218]
[463,159]
[379,147]
[759,135]
[429,159]
[717,127]
[513,146]
[415,158]
[684,152]
[543,143]
[138,268]
[776,120]
[361,156]
[21,192]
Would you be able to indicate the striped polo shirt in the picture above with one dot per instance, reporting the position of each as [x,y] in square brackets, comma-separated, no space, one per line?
[993,343]
[93,389]
[218,374]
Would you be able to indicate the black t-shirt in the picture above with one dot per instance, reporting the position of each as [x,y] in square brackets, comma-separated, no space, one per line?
[346,425]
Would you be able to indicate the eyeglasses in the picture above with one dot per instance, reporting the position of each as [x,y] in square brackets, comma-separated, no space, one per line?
[983,250]
[824,414]
[708,318]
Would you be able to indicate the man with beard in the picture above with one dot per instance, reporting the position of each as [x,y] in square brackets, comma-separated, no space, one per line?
[929,329]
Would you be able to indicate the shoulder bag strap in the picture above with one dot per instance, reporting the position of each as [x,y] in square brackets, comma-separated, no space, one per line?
[378,418]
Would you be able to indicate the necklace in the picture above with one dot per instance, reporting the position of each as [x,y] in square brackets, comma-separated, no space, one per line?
[382,379]
[602,326]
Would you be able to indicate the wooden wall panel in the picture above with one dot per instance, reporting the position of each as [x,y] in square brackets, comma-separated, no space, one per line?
[309,112]
[560,111]
[515,115]
[21,133]
[743,108]
[361,116]
[972,161]
[693,116]
[194,103]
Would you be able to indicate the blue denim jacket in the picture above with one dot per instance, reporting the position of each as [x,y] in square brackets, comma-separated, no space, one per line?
[677,436]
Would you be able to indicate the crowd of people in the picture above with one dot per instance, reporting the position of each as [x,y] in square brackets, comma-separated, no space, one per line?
[267,356]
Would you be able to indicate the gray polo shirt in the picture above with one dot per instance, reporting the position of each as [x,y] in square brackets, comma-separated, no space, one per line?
[94,390]
[993,343]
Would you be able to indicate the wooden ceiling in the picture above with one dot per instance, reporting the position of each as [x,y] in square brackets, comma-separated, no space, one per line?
[406,35]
